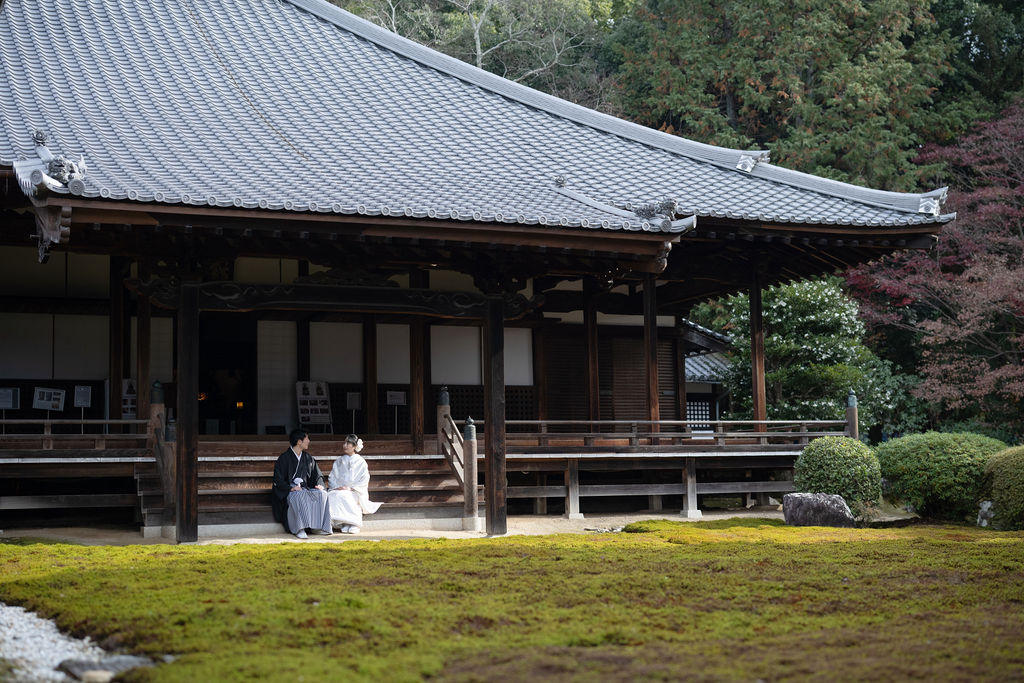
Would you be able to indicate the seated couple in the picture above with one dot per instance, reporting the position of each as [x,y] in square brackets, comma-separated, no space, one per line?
[300,501]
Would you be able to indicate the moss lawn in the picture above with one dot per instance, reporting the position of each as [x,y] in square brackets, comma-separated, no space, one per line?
[724,600]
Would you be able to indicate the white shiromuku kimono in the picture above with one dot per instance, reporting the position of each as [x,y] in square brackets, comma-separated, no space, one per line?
[348,507]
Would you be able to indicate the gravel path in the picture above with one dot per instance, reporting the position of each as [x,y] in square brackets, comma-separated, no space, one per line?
[35,647]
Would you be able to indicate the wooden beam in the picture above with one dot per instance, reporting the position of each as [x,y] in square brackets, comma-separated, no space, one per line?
[495,480]
[243,297]
[587,239]
[370,374]
[187,498]
[757,351]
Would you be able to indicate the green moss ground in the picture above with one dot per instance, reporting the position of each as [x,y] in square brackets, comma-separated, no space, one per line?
[727,600]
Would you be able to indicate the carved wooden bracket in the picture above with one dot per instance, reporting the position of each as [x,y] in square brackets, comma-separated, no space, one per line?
[53,226]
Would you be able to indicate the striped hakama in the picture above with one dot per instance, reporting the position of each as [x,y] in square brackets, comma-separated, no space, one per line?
[307,509]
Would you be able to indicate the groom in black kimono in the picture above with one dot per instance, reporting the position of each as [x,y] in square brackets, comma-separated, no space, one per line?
[294,471]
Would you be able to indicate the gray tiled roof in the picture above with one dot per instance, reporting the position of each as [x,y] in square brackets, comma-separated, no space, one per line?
[724,338]
[296,105]
[707,367]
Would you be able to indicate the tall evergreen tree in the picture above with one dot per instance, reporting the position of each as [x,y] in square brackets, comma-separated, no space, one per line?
[555,46]
[840,88]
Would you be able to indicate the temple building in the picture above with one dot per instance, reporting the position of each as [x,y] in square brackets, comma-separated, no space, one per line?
[288,216]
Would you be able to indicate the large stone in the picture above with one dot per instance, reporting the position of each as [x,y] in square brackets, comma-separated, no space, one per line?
[816,509]
[101,670]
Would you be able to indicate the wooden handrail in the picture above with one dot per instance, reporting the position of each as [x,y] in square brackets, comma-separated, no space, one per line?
[669,435]
[452,447]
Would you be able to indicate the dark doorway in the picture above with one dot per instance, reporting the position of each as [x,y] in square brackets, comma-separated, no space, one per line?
[227,373]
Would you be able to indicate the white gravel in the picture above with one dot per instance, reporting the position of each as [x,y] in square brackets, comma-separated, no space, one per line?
[35,647]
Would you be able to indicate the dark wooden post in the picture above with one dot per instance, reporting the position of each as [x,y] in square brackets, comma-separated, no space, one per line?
[757,352]
[444,409]
[690,509]
[494,420]
[118,269]
[539,387]
[470,490]
[187,498]
[681,380]
[419,372]
[590,334]
[651,349]
[572,489]
[143,350]
[417,363]
[852,426]
[370,373]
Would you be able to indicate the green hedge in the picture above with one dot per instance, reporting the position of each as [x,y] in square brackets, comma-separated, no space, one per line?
[936,474]
[838,464]
[1004,475]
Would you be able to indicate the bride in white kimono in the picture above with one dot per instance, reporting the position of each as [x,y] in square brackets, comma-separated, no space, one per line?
[348,495]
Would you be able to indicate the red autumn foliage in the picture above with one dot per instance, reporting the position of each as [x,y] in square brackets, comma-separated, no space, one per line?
[965,299]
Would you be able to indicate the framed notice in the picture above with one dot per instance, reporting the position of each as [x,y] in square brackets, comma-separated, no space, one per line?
[10,398]
[396,398]
[314,403]
[129,399]
[48,399]
[83,396]
[353,400]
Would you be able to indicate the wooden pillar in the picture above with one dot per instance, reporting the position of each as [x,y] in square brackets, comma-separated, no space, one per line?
[117,329]
[690,509]
[540,388]
[470,490]
[757,352]
[852,420]
[370,373]
[417,363]
[572,489]
[651,349]
[494,420]
[143,351]
[302,360]
[187,498]
[419,370]
[540,505]
[681,379]
[590,341]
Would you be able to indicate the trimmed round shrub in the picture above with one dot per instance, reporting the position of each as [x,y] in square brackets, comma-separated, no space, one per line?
[937,474]
[841,465]
[1004,475]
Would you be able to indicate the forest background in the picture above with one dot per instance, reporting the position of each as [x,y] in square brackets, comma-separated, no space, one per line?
[902,95]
